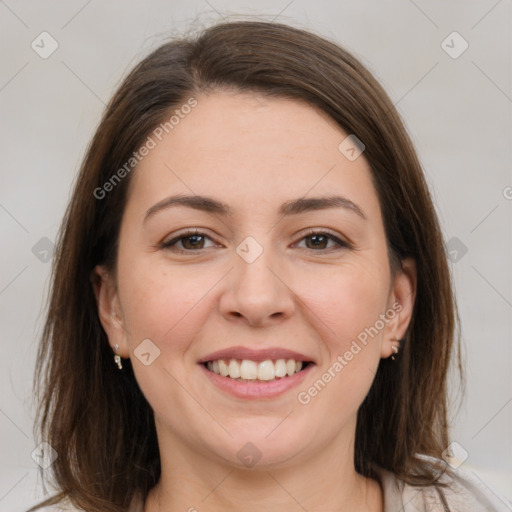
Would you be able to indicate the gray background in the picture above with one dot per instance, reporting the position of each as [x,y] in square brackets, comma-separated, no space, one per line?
[458,111]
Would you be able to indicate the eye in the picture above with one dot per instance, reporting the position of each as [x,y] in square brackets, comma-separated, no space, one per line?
[319,239]
[195,241]
[190,241]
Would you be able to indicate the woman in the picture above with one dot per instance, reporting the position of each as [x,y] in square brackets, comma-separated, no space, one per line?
[251,305]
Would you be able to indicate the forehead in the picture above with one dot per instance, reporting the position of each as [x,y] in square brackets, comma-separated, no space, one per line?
[249,150]
[250,126]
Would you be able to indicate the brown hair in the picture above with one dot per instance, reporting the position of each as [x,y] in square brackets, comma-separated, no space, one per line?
[96,417]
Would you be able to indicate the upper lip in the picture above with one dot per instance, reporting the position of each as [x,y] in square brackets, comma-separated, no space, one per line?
[259,355]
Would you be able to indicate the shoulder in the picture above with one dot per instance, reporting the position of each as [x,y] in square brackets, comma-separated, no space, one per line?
[60,507]
[137,503]
[464,492]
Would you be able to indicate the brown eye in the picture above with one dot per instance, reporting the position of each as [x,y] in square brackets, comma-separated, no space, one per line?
[318,240]
[190,241]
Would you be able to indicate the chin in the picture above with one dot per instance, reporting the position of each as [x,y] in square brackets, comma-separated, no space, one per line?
[261,447]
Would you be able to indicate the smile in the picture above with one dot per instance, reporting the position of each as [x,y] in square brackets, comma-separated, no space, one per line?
[248,370]
[250,379]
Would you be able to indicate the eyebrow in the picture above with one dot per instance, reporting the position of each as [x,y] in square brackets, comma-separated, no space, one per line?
[292,207]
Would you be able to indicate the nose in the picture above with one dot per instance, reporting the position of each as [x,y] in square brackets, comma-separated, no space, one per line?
[258,292]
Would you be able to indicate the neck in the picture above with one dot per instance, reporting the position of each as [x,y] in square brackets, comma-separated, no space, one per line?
[327,480]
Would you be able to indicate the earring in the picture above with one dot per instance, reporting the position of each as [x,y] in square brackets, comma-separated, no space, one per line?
[117,358]
[394,348]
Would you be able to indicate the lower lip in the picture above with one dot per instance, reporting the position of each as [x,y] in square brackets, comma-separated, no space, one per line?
[258,389]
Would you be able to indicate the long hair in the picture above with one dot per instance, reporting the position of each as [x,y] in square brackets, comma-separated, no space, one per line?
[95,417]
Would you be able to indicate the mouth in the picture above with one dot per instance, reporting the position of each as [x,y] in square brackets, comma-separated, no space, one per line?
[251,371]
[262,373]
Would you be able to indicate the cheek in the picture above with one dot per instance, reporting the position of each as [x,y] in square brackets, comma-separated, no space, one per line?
[348,307]
[159,303]
[164,306]
[347,301]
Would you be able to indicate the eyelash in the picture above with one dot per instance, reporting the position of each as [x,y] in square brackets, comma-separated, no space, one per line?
[169,245]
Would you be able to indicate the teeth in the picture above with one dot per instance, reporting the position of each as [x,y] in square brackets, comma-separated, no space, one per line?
[280,368]
[233,369]
[248,370]
[251,370]
[266,370]
[223,368]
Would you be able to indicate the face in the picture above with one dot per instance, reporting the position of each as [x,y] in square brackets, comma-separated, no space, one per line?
[310,282]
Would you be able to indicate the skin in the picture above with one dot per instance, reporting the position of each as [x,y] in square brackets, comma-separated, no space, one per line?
[254,154]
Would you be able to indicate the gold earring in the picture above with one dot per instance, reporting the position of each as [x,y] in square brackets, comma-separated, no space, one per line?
[394,348]
[117,358]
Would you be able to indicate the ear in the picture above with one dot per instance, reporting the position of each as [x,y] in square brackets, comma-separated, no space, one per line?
[400,306]
[109,309]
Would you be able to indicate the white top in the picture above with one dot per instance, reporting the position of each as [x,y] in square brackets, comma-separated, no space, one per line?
[467,493]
